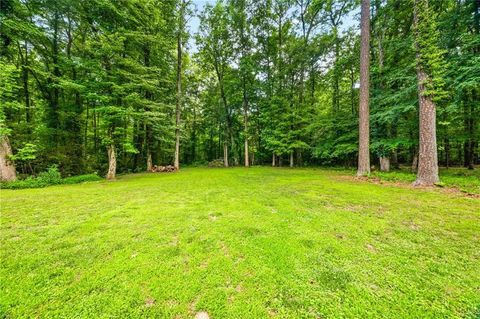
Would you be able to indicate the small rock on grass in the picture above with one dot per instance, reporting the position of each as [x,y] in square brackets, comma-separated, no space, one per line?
[202,315]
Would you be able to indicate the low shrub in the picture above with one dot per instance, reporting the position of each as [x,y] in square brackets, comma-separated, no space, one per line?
[81,178]
[50,177]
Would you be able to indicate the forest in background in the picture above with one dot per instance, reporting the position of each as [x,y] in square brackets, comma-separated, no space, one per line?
[267,82]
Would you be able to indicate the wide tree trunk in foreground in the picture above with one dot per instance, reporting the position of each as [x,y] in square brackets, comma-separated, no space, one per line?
[112,162]
[427,172]
[363,110]
[7,169]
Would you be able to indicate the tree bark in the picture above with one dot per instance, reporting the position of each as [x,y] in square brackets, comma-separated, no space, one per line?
[291,159]
[149,161]
[7,168]
[427,173]
[225,154]
[245,124]
[176,163]
[112,162]
[415,162]
[273,160]
[384,164]
[363,110]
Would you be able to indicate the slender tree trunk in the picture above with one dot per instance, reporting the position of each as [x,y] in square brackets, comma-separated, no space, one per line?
[7,168]
[447,153]
[363,110]
[245,124]
[54,116]
[228,129]
[176,163]
[149,161]
[194,134]
[26,91]
[336,75]
[225,154]
[273,160]
[291,159]
[112,162]
[95,134]
[415,162]
[427,173]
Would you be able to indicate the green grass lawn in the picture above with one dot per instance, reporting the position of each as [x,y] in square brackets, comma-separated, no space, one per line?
[239,243]
[467,181]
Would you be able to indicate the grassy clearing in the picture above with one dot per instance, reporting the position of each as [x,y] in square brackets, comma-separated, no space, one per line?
[239,243]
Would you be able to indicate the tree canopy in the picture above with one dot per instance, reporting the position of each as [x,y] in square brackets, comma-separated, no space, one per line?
[260,82]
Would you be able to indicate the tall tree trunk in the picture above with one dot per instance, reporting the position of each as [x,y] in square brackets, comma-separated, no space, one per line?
[384,163]
[181,13]
[228,128]
[149,161]
[427,173]
[447,152]
[291,159]
[7,168]
[26,91]
[363,110]
[273,159]
[225,154]
[336,75]
[112,162]
[415,162]
[245,123]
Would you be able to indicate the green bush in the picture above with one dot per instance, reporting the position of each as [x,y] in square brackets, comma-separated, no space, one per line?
[81,178]
[50,177]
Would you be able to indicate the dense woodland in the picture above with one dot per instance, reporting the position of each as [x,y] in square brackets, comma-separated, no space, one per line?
[113,86]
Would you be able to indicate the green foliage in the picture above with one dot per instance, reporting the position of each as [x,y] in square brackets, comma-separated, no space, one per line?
[77,77]
[25,154]
[81,179]
[429,56]
[48,178]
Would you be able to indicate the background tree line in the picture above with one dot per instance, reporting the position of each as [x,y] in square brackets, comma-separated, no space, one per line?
[111,86]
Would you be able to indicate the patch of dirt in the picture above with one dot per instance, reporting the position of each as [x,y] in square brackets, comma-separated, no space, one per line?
[224,249]
[371,248]
[202,315]
[412,225]
[150,302]
[193,305]
[239,288]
